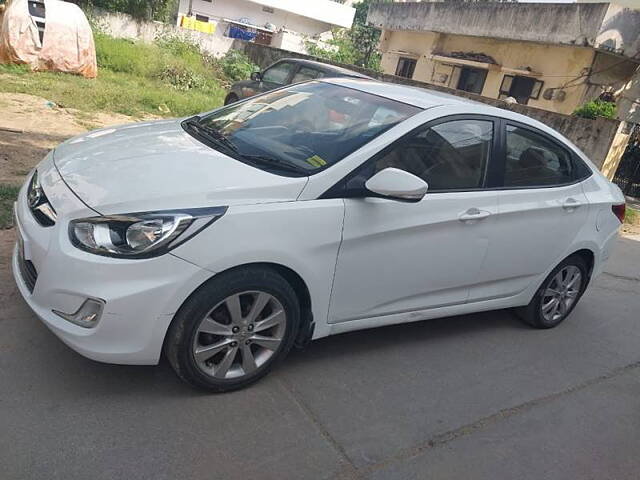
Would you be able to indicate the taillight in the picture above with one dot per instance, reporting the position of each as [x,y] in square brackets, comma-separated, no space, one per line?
[618,211]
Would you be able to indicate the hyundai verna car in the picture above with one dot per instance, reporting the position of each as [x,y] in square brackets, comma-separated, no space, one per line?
[319,208]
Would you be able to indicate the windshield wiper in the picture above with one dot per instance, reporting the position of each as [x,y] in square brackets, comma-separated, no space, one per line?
[211,134]
[276,162]
[214,136]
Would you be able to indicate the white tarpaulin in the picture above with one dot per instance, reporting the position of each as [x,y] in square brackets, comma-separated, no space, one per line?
[67,44]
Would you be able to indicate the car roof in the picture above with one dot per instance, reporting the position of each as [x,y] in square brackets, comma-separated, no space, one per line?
[426,98]
[325,67]
[419,97]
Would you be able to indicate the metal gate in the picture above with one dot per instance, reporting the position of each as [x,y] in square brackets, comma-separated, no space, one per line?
[628,173]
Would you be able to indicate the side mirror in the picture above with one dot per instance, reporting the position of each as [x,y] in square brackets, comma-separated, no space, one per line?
[256,76]
[398,184]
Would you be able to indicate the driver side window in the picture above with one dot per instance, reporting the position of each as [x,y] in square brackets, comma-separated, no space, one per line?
[277,74]
[448,156]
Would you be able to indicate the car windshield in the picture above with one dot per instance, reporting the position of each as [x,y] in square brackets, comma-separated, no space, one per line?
[301,129]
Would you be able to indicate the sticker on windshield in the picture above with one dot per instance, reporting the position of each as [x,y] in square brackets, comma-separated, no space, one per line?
[316,161]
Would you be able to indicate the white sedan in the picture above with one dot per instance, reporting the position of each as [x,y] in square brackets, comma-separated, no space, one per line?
[224,239]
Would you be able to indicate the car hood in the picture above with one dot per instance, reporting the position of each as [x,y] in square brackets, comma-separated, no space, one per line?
[157,166]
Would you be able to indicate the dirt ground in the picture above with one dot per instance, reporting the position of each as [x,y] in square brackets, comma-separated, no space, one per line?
[30,127]
[630,230]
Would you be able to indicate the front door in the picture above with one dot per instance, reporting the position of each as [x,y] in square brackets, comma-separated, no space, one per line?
[397,257]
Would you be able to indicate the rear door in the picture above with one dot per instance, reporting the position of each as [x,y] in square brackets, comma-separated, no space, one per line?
[398,257]
[306,73]
[541,209]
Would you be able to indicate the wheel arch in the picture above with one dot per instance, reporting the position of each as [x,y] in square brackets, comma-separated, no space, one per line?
[230,95]
[586,252]
[297,283]
[587,255]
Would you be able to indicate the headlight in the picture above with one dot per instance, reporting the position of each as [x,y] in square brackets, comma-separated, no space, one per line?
[140,235]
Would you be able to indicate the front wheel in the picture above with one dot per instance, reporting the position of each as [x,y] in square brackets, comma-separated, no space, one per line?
[558,294]
[234,329]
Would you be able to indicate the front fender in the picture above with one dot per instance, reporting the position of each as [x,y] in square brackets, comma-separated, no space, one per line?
[301,236]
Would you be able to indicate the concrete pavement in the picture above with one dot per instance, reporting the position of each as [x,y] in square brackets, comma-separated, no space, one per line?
[474,397]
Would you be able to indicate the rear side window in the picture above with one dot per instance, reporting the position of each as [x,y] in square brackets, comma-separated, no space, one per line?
[448,156]
[278,74]
[306,73]
[533,160]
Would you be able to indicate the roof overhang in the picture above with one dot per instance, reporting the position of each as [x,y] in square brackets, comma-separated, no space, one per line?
[465,62]
[602,26]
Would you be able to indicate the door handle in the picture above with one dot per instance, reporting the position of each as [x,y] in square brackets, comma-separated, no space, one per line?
[571,204]
[473,214]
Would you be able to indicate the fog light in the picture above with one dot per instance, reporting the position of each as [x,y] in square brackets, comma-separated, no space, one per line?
[87,316]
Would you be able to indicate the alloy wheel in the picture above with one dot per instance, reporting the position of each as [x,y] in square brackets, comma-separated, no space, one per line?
[561,293]
[239,335]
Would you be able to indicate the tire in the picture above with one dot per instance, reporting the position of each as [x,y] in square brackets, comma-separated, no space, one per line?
[234,329]
[231,98]
[538,313]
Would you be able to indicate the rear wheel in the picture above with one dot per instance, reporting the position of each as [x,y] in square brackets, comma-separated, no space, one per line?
[234,329]
[231,98]
[558,294]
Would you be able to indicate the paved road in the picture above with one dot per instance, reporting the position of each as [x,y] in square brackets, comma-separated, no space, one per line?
[471,397]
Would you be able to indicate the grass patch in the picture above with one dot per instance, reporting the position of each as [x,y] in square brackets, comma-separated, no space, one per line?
[113,92]
[632,216]
[8,195]
[168,78]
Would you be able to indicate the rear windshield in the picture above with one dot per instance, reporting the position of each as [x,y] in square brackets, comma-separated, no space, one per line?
[303,128]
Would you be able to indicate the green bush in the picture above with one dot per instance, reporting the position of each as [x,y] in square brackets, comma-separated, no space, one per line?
[170,58]
[596,108]
[161,10]
[235,65]
[182,78]
[178,45]
[127,56]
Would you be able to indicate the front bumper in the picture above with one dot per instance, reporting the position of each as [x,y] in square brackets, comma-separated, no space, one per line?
[141,296]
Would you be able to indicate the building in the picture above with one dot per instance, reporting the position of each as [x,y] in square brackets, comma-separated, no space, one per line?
[622,3]
[551,56]
[285,24]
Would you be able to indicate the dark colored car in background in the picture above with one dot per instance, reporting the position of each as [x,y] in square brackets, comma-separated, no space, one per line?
[284,72]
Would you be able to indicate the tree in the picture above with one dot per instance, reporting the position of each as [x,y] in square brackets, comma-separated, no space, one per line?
[357,45]
[161,10]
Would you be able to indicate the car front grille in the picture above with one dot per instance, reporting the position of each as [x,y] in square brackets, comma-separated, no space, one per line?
[27,271]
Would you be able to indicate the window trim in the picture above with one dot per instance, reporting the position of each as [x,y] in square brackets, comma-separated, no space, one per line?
[499,168]
[340,190]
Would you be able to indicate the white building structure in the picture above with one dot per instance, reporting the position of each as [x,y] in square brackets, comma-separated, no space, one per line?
[284,24]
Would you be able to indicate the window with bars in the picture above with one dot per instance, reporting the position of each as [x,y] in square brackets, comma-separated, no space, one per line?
[470,79]
[521,88]
[405,67]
